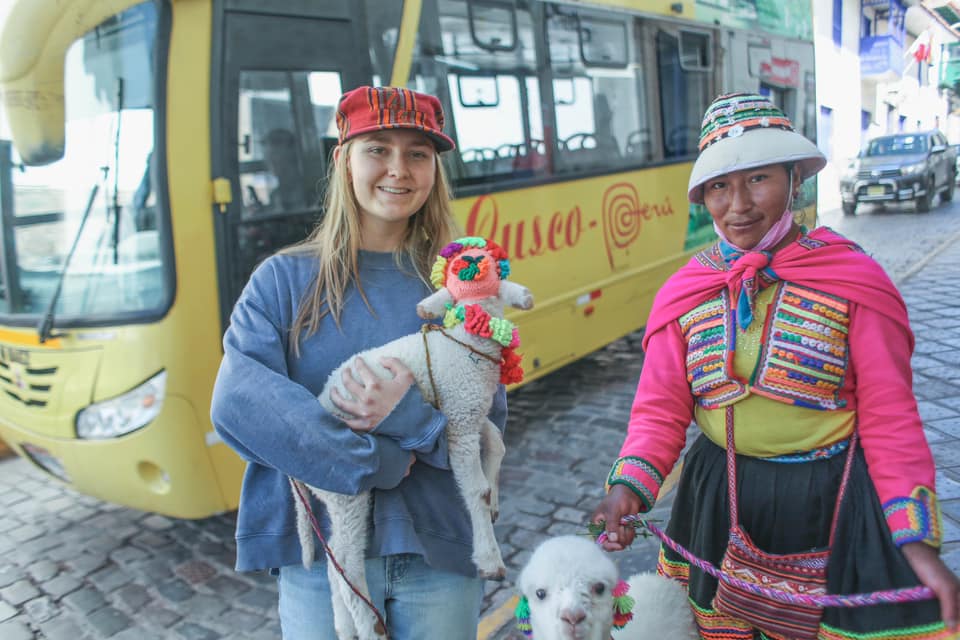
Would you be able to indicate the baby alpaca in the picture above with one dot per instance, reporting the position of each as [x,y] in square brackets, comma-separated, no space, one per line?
[570,591]
[458,370]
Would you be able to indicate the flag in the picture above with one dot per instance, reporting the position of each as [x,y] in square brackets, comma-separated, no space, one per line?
[922,48]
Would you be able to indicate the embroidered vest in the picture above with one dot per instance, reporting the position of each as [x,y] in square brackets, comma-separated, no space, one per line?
[803,350]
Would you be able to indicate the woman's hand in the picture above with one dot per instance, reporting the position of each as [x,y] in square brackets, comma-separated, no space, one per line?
[621,501]
[932,572]
[373,397]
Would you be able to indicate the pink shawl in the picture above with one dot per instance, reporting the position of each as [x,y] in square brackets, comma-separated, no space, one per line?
[832,264]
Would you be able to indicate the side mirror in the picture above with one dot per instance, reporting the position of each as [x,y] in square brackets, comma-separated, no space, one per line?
[32,53]
[938,148]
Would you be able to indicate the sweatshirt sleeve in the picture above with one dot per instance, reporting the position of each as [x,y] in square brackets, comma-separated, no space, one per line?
[662,410]
[891,432]
[271,420]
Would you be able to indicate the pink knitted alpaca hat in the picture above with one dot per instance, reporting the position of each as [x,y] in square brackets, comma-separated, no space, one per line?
[477,264]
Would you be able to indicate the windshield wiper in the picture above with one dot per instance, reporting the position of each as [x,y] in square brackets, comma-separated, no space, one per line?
[45,327]
[116,174]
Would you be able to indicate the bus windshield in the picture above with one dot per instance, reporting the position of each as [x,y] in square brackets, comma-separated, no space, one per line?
[116,268]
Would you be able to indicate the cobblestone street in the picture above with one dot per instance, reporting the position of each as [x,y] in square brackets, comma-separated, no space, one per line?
[74,568]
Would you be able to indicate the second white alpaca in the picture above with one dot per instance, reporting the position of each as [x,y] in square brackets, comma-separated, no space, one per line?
[569,583]
[464,369]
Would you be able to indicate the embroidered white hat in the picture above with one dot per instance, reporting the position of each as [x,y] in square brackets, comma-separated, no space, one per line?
[746,130]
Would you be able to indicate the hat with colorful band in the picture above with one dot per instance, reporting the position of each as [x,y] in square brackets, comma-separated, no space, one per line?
[367,109]
[744,131]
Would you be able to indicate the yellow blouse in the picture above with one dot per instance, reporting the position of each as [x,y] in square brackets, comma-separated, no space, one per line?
[766,427]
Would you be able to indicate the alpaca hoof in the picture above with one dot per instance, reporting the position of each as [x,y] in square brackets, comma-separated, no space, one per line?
[494,515]
[497,575]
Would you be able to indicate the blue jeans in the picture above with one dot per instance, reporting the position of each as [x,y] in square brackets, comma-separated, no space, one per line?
[417,602]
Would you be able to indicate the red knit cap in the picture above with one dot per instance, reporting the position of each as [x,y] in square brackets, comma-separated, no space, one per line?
[367,109]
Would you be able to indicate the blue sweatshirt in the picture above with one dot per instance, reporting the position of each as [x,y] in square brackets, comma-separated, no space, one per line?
[265,407]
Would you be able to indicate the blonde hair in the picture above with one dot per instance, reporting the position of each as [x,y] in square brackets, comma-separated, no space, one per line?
[335,242]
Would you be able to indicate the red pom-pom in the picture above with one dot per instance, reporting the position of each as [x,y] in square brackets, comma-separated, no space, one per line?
[510,370]
[620,620]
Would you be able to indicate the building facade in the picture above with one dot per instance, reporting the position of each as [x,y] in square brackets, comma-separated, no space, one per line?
[882,67]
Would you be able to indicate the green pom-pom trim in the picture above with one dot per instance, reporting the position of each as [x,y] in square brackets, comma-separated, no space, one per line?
[623,604]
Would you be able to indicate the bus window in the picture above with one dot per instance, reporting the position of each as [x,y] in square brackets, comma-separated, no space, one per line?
[286,128]
[275,150]
[478,56]
[101,196]
[598,106]
[383,32]
[684,63]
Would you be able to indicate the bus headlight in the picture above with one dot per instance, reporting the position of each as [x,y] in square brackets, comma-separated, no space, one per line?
[125,413]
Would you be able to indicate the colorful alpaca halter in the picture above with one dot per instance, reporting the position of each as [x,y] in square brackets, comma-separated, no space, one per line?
[480,323]
[455,262]
[468,268]
[622,609]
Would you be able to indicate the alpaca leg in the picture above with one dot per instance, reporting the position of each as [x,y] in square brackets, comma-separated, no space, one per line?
[352,616]
[304,528]
[492,452]
[465,462]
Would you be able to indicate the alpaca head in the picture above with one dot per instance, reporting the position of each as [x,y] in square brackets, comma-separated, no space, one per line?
[569,586]
[471,269]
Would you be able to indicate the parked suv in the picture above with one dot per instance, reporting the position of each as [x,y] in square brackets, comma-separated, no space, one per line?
[896,168]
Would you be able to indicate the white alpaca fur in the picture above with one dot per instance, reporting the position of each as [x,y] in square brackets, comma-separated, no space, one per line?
[465,384]
[569,583]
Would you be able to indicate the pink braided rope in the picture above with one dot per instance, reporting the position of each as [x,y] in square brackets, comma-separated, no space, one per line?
[890,596]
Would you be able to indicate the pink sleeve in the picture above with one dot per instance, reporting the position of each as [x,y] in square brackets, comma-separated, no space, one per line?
[662,411]
[891,431]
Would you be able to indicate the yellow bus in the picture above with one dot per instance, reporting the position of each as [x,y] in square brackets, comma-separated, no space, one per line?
[159,149]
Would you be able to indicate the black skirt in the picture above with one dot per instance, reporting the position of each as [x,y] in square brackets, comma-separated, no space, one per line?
[788,508]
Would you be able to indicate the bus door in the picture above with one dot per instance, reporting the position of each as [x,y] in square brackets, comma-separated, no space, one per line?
[274,111]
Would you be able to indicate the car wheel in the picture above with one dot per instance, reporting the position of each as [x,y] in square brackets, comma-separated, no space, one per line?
[849,208]
[923,202]
[947,194]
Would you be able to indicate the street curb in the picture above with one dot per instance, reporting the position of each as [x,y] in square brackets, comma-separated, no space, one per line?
[494,622]
[912,271]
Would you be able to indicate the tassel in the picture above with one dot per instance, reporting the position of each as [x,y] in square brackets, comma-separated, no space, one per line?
[510,369]
[622,605]
[522,613]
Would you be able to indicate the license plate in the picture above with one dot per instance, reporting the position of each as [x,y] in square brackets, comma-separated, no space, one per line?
[876,190]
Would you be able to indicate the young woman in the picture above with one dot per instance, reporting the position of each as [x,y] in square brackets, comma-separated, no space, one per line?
[790,341]
[354,284]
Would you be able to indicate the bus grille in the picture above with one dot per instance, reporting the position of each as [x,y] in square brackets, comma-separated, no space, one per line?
[27,385]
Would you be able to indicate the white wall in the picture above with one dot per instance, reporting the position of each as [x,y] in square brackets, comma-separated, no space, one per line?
[838,88]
